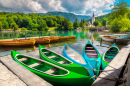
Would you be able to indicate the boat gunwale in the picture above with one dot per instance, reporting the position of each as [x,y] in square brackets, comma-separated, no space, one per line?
[96,52]
[78,53]
[106,51]
[43,62]
[57,54]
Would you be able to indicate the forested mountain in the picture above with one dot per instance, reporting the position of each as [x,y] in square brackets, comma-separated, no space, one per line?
[32,21]
[69,16]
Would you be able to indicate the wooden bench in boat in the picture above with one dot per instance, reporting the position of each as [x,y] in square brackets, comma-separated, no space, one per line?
[113,50]
[35,64]
[51,70]
[46,52]
[89,47]
[23,59]
[52,56]
[61,62]
[111,54]
[92,54]
[90,51]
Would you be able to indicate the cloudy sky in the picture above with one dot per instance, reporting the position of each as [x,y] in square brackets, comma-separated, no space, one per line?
[81,7]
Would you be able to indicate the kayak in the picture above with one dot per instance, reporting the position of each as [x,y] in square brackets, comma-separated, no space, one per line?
[109,38]
[61,61]
[92,55]
[77,58]
[108,55]
[17,43]
[52,73]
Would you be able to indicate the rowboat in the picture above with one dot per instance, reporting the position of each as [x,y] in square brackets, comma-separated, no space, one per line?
[92,55]
[41,40]
[62,38]
[17,43]
[123,40]
[61,61]
[52,38]
[54,74]
[109,38]
[108,55]
[77,58]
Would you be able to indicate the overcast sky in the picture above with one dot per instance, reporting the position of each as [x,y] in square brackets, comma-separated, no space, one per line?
[82,7]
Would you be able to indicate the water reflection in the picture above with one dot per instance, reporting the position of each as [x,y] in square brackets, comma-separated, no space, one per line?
[81,39]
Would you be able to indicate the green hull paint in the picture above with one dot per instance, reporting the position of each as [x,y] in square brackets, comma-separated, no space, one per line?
[69,65]
[59,77]
[109,55]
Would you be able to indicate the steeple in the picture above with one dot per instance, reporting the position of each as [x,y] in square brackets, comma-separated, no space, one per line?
[93,18]
[93,15]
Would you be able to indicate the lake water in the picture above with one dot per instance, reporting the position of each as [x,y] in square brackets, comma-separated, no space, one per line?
[81,39]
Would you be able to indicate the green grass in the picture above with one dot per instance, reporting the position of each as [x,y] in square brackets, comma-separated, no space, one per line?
[52,28]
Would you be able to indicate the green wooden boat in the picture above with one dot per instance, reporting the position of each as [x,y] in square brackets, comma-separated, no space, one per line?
[61,61]
[52,73]
[108,55]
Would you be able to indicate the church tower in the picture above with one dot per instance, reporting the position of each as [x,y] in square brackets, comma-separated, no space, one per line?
[93,18]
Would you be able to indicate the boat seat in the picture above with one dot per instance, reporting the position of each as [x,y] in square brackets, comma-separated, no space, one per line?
[35,64]
[51,70]
[23,59]
[93,54]
[61,62]
[46,52]
[114,50]
[52,56]
[94,51]
[89,47]
[111,54]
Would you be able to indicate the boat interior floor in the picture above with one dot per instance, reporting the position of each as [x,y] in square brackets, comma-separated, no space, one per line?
[91,52]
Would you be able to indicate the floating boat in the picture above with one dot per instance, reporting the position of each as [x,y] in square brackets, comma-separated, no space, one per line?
[61,61]
[92,55]
[108,55]
[109,38]
[62,38]
[41,40]
[52,38]
[54,74]
[123,40]
[72,37]
[77,58]
[17,43]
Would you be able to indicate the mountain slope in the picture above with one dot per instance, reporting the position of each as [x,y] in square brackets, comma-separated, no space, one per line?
[69,16]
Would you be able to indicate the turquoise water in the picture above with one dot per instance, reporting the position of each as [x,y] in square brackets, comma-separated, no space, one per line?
[81,39]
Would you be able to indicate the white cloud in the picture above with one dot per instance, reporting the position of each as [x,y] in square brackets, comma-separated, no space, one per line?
[86,7]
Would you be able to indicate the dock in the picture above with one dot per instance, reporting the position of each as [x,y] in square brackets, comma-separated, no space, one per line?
[113,74]
[13,74]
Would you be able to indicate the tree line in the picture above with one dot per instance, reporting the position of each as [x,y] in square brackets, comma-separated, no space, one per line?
[32,21]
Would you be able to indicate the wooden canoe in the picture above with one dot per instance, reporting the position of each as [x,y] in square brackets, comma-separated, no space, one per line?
[54,74]
[108,55]
[109,38]
[92,55]
[72,37]
[61,61]
[52,39]
[41,40]
[77,58]
[17,43]
[62,38]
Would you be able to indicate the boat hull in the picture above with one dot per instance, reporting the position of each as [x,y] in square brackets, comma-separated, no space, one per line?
[94,62]
[106,59]
[17,43]
[70,66]
[69,78]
